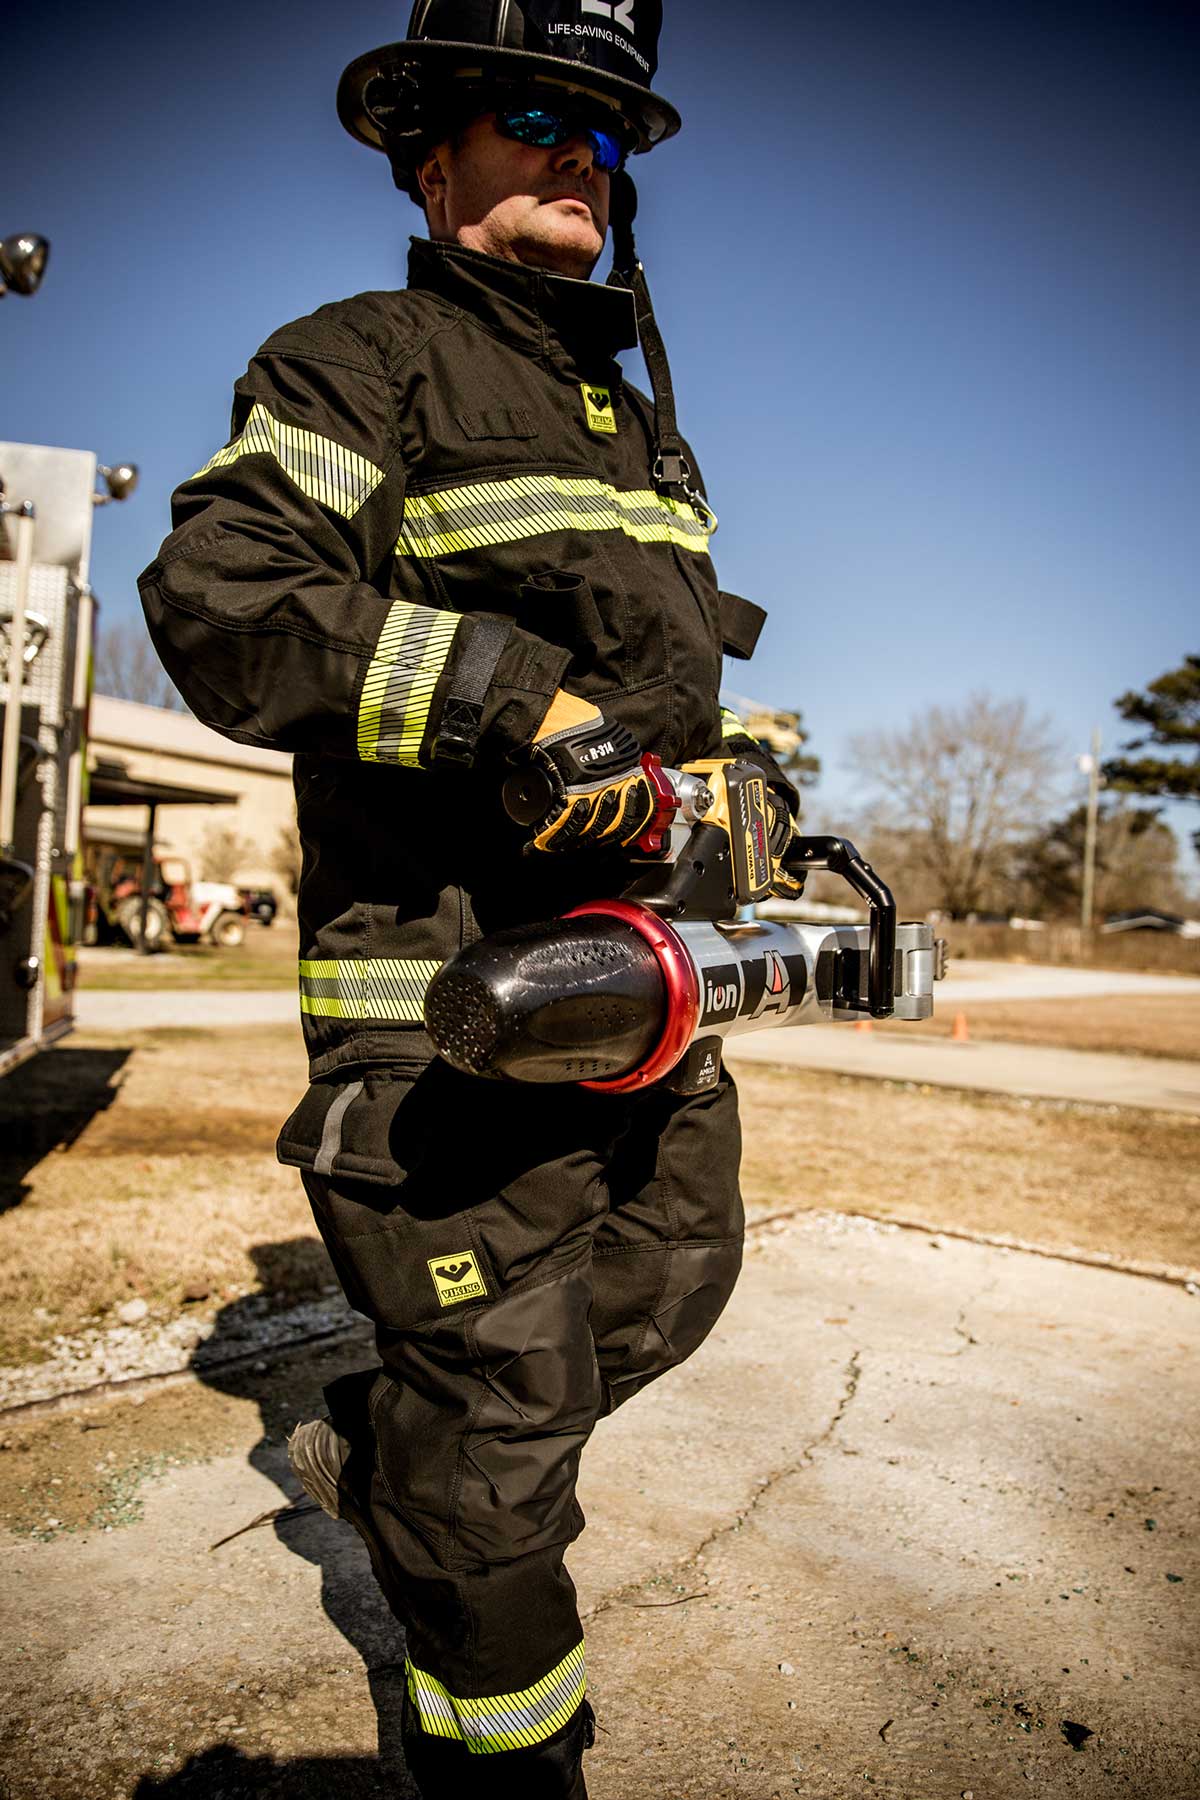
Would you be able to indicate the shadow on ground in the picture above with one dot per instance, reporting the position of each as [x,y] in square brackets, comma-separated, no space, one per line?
[45,1105]
[349,1595]
[227,1773]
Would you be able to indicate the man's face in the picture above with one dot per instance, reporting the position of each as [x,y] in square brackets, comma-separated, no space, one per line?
[547,209]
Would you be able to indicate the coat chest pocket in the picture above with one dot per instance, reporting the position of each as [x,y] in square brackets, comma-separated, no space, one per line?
[497,422]
[613,644]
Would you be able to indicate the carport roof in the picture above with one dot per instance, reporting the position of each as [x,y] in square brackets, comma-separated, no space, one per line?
[111,784]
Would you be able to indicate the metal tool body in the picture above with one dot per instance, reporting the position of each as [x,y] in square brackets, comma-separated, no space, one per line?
[621,994]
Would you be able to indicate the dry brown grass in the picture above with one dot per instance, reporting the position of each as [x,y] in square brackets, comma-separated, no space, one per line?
[1138,1025]
[1068,1178]
[173,1185]
[267,959]
[1159,951]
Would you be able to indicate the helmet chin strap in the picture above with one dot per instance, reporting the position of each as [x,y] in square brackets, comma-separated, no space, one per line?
[672,475]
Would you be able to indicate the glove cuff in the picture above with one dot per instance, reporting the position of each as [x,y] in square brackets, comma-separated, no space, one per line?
[585,756]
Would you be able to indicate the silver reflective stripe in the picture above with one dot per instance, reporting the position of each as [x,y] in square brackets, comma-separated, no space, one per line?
[393,709]
[331,1136]
[501,1721]
[321,468]
[482,513]
[376,987]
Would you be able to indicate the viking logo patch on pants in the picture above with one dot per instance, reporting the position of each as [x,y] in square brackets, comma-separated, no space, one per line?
[456,1277]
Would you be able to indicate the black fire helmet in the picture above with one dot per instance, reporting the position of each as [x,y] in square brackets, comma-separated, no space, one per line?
[397,98]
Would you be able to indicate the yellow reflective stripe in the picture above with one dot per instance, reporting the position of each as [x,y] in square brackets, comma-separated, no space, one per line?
[501,1721]
[324,470]
[60,899]
[393,708]
[484,513]
[377,987]
[731,725]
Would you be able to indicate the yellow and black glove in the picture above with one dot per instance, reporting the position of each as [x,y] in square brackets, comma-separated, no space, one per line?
[599,796]
[786,883]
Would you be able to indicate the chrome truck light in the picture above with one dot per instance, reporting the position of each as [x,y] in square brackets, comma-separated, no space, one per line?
[120,479]
[23,262]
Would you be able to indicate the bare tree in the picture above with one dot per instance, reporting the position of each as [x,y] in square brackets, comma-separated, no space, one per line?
[964,784]
[222,853]
[285,858]
[127,666]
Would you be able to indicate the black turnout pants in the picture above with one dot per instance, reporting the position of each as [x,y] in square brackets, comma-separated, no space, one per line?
[544,1253]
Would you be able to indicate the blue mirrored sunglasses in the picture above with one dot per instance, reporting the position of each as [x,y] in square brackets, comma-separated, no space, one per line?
[549,131]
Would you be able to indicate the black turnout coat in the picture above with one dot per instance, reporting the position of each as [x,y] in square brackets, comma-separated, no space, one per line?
[436,506]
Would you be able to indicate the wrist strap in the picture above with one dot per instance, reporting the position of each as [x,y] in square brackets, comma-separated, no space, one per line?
[471,677]
[741,622]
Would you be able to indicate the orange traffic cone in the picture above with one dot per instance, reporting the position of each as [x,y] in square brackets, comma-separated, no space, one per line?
[862,1024]
[960,1034]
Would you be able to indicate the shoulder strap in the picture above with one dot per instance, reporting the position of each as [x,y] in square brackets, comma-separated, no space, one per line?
[670,469]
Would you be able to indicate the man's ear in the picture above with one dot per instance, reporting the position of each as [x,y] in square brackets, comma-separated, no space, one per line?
[431,176]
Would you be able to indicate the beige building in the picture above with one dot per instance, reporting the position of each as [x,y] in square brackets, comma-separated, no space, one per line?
[174,750]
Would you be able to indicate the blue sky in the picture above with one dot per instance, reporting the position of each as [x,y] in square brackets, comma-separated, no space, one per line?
[928,275]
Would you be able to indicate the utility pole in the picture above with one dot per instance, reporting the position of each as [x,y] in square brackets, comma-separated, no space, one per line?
[1091,768]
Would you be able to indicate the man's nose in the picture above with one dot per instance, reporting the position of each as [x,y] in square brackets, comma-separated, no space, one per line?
[575,157]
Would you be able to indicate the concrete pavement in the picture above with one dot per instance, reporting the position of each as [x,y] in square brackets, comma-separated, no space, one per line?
[918,1520]
[206,1008]
[967,981]
[1099,1078]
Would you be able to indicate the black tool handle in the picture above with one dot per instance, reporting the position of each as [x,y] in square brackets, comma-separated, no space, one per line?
[528,795]
[841,858]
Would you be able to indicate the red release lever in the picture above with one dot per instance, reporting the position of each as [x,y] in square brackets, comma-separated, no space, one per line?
[657,835]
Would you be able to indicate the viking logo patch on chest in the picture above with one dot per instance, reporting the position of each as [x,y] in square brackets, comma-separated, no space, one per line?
[598,408]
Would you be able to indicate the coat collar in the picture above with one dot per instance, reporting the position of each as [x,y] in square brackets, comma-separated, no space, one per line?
[577,326]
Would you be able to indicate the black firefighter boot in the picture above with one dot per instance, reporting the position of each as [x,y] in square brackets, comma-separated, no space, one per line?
[444,1769]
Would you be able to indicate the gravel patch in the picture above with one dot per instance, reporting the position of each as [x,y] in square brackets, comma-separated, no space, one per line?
[121,1352]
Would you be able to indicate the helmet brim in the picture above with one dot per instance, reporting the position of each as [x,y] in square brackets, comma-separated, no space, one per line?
[423,60]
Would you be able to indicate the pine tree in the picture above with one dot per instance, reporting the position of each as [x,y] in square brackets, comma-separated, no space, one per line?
[1169,712]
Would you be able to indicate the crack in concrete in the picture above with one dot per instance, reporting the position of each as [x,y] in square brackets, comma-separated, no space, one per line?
[961,1328]
[764,1487]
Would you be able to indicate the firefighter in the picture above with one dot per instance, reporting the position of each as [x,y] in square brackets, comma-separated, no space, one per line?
[447,538]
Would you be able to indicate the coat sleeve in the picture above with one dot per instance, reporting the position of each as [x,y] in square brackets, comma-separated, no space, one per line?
[737,741]
[272,602]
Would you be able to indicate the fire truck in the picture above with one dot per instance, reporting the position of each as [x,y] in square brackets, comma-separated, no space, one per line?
[47,614]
